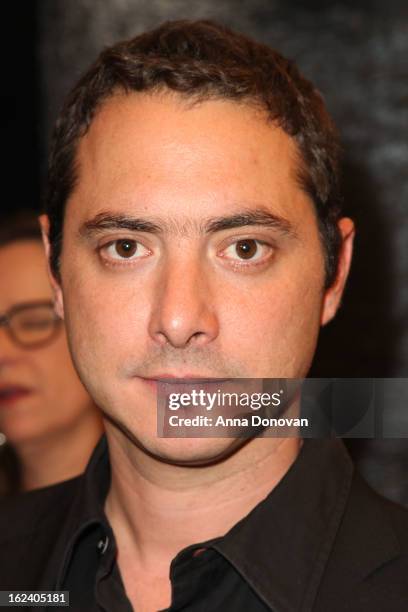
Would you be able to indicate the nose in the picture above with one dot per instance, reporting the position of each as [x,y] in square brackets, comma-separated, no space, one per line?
[9,351]
[183,313]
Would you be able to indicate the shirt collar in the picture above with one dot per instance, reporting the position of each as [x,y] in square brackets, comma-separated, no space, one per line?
[87,509]
[281,547]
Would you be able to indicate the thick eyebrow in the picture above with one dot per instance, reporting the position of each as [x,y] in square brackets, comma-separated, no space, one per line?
[111,221]
[257,216]
[248,217]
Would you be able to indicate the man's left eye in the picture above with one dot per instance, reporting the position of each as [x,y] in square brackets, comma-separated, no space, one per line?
[247,249]
[125,249]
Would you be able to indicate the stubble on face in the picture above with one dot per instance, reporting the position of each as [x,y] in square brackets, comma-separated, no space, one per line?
[186,304]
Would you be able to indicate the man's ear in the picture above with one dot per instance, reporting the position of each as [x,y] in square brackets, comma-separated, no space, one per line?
[333,294]
[56,287]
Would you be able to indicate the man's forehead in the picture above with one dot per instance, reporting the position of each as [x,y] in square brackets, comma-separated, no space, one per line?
[167,116]
[125,160]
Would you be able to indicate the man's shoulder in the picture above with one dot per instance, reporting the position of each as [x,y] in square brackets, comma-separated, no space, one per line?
[29,525]
[369,560]
[375,511]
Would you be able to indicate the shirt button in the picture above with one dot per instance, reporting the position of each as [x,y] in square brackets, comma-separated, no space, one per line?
[103,545]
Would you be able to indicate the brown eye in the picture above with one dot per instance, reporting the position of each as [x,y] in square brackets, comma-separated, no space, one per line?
[246,249]
[125,248]
[248,252]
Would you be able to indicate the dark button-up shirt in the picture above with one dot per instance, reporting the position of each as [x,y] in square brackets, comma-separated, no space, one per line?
[321,541]
[244,570]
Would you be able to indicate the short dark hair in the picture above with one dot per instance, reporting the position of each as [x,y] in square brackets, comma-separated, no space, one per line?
[203,60]
[19,225]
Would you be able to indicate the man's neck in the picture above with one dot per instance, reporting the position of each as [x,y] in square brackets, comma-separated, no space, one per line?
[157,509]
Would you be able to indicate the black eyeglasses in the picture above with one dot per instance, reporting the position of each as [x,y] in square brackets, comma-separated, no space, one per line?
[31,324]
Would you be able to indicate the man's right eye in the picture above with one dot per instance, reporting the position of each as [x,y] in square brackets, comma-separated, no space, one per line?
[124,249]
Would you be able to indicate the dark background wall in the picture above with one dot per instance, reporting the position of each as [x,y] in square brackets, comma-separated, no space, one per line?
[19,107]
[357,54]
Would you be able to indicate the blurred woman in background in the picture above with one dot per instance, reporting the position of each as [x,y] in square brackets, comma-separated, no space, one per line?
[48,423]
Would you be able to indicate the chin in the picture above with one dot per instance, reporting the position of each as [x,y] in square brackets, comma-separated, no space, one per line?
[190,452]
[179,451]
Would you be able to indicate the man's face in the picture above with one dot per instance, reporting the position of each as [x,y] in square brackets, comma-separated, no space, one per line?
[189,250]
